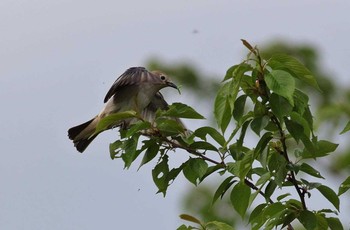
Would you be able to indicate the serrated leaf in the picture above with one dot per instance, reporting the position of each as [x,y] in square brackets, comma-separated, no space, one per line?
[345,186]
[151,152]
[159,174]
[245,165]
[259,123]
[263,142]
[203,145]
[237,71]
[256,218]
[195,169]
[222,108]
[270,189]
[142,125]
[283,61]
[239,107]
[226,96]
[131,151]
[320,149]
[280,106]
[240,198]
[295,129]
[281,83]
[190,218]
[321,222]
[263,179]
[216,225]
[334,223]
[330,195]
[184,227]
[308,219]
[346,128]
[310,170]
[273,209]
[169,127]
[203,131]
[113,120]
[301,121]
[281,197]
[182,111]
[115,149]
[223,187]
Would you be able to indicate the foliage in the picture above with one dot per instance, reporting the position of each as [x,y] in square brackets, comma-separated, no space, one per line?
[260,96]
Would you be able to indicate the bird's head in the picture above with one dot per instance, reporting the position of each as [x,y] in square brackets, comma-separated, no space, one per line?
[164,80]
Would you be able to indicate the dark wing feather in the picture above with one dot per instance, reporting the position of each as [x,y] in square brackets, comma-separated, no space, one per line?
[131,76]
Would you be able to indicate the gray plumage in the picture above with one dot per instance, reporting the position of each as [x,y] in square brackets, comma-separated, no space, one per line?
[136,89]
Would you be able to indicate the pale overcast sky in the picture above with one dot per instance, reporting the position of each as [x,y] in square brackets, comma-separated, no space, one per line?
[59,58]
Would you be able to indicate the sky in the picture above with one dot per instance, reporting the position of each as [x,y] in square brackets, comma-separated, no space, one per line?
[58,60]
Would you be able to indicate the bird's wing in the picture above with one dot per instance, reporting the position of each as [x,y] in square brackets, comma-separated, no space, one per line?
[132,76]
[158,102]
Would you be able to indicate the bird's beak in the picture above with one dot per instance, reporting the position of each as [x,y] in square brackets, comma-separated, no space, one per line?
[172,85]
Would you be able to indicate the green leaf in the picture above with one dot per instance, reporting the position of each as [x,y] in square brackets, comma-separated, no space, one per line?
[301,121]
[270,189]
[182,111]
[141,125]
[130,149]
[222,108]
[310,170]
[280,106]
[195,169]
[263,179]
[113,120]
[346,128]
[330,195]
[237,71]
[279,198]
[203,131]
[321,149]
[242,135]
[203,145]
[245,165]
[159,174]
[169,127]
[295,129]
[259,124]
[151,152]
[240,198]
[274,209]
[190,218]
[216,225]
[321,222]
[227,94]
[184,227]
[301,101]
[345,186]
[256,218]
[334,223]
[308,219]
[115,149]
[263,142]
[281,83]
[283,61]
[239,107]
[223,187]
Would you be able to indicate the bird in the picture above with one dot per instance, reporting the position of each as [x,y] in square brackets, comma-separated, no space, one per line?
[136,89]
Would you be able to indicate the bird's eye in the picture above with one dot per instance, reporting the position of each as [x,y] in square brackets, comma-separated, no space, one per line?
[162,77]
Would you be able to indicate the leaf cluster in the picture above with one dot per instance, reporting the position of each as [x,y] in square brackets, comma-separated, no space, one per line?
[260,95]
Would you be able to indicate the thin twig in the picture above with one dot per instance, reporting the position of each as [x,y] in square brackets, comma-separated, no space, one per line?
[285,154]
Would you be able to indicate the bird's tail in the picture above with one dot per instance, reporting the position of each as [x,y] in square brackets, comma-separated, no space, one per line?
[82,135]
